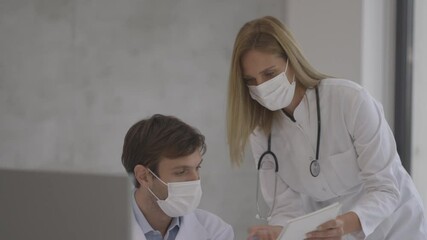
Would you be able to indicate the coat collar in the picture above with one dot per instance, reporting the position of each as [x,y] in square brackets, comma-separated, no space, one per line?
[190,228]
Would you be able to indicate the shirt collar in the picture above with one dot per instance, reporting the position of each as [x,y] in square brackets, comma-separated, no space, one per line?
[142,221]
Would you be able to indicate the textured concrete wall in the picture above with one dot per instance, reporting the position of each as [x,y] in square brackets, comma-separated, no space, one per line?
[349,39]
[74,76]
[329,32]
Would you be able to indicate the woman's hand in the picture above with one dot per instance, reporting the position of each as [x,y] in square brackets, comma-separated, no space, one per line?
[335,229]
[330,230]
[264,232]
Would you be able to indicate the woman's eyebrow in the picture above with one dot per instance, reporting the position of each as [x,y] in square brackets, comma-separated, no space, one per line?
[269,68]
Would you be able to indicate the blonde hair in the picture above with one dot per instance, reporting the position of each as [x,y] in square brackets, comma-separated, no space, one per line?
[269,35]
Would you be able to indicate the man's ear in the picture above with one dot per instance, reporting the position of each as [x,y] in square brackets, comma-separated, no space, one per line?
[142,175]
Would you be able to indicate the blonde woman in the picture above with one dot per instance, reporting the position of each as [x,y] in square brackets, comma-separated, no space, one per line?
[329,137]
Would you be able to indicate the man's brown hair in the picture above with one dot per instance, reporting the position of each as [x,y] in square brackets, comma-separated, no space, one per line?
[157,137]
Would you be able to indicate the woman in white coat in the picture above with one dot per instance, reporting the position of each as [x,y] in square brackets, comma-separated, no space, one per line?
[330,138]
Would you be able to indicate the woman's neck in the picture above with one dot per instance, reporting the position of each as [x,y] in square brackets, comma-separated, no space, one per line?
[299,95]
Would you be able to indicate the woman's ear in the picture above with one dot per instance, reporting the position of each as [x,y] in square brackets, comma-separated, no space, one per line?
[142,175]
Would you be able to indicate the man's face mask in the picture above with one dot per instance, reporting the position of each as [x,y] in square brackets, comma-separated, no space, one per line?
[183,197]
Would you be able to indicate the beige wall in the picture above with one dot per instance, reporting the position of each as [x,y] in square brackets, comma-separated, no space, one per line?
[349,39]
[75,75]
[329,32]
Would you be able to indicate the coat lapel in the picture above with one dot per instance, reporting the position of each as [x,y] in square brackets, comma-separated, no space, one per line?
[137,233]
[191,228]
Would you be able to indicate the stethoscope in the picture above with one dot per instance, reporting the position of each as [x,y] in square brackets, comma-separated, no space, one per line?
[314,164]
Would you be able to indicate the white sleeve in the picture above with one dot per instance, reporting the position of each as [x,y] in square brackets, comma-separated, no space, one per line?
[377,160]
[288,203]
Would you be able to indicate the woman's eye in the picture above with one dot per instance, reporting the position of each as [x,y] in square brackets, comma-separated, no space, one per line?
[248,81]
[270,74]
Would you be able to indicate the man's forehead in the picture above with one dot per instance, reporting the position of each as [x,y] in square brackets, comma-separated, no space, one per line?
[189,161]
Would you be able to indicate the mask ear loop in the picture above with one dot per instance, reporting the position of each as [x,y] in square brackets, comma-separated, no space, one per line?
[157,177]
[158,199]
[159,180]
[286,68]
[287,63]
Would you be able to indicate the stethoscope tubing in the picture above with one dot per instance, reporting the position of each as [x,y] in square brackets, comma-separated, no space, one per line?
[276,163]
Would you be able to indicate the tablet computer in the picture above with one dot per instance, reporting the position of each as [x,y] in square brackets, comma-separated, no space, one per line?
[298,227]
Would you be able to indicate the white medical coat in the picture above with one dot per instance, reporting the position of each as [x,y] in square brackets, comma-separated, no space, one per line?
[200,225]
[359,164]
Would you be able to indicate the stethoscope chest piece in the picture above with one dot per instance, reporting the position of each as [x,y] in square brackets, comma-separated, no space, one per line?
[314,168]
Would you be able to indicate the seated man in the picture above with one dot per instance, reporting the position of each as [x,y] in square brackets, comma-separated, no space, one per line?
[164,155]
